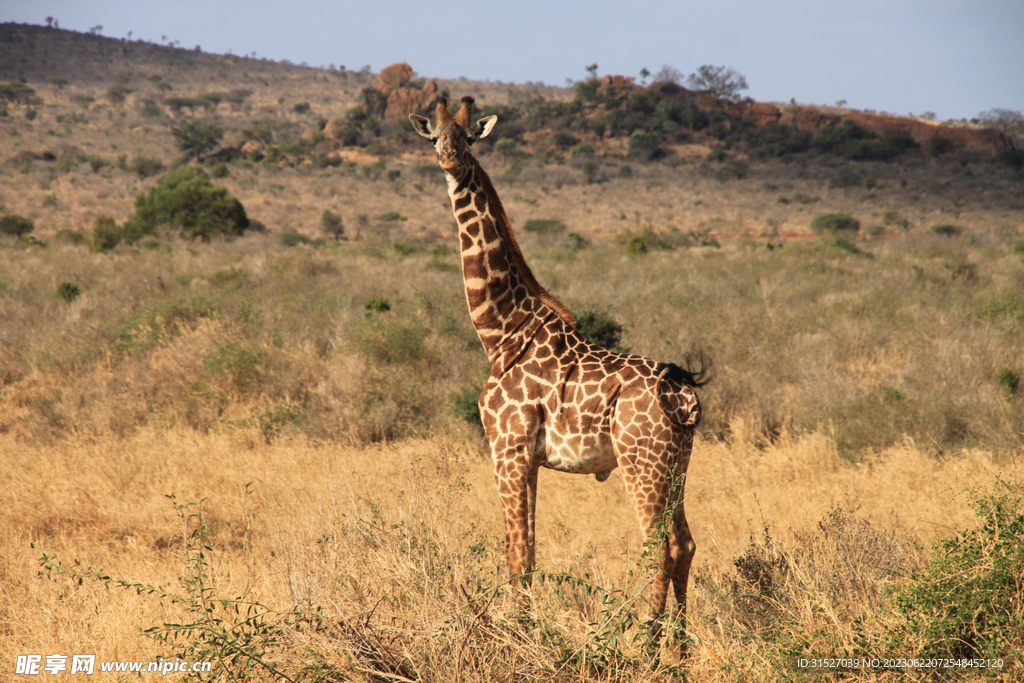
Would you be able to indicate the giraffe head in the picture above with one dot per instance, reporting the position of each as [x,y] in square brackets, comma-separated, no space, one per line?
[452,135]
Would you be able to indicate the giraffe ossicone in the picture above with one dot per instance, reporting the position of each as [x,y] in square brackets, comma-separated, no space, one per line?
[553,399]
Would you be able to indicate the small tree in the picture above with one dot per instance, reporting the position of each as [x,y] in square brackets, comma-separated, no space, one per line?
[668,74]
[720,81]
[196,139]
[332,224]
[186,200]
[1003,118]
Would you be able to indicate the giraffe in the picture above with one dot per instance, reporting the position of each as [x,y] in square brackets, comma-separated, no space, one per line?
[553,399]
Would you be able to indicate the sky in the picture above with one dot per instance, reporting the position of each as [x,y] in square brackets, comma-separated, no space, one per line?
[955,58]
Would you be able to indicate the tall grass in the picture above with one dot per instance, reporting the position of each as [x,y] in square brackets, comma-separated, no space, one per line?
[872,345]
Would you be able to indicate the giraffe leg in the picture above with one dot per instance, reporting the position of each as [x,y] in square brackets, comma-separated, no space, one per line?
[682,548]
[517,488]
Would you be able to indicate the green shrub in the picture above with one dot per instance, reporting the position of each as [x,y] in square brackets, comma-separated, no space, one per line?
[106,234]
[389,338]
[1014,158]
[331,224]
[220,170]
[379,305]
[600,328]
[583,149]
[149,326]
[968,601]
[732,170]
[68,291]
[465,403]
[391,217]
[636,245]
[506,148]
[544,226]
[946,230]
[187,201]
[937,145]
[68,236]
[16,226]
[834,223]
[564,139]
[1009,379]
[846,177]
[301,107]
[146,167]
[243,366]
[644,146]
[403,249]
[293,238]
[196,139]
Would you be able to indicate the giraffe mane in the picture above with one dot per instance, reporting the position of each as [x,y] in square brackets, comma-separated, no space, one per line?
[505,228]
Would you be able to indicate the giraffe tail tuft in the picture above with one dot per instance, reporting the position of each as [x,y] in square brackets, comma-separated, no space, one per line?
[676,396]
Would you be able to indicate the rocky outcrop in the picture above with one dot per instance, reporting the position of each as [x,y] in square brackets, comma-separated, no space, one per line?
[617,86]
[405,101]
[394,77]
[813,119]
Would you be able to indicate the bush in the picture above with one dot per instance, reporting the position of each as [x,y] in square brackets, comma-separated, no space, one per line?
[937,145]
[644,146]
[332,224]
[544,226]
[106,234]
[465,403]
[196,139]
[68,291]
[564,139]
[968,602]
[186,200]
[601,329]
[146,167]
[16,226]
[1014,158]
[946,230]
[70,236]
[833,223]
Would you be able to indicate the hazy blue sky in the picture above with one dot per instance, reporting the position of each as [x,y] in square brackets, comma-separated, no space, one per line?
[953,57]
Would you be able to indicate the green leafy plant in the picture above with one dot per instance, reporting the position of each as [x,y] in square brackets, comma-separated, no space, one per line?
[186,200]
[544,226]
[196,139]
[968,601]
[600,328]
[146,166]
[68,291]
[834,223]
[16,226]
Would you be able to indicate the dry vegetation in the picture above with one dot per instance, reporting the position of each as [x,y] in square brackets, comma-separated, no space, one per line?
[332,513]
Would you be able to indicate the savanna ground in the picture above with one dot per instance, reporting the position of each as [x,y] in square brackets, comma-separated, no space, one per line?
[261,451]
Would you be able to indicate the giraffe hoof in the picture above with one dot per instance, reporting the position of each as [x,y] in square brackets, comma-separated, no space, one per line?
[603,476]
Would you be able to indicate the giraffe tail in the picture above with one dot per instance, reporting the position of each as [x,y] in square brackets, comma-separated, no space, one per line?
[676,397]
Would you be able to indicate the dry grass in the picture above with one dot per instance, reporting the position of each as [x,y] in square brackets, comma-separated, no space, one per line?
[402,543]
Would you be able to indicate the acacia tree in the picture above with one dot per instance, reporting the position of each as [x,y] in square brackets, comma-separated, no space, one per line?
[196,139]
[1004,118]
[720,81]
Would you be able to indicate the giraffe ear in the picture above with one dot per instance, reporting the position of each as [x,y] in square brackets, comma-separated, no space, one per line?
[484,126]
[421,125]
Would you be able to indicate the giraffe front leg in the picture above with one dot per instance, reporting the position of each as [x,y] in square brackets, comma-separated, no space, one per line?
[516,477]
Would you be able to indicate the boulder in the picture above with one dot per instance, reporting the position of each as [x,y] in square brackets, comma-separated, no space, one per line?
[252,146]
[394,77]
[333,129]
[405,101]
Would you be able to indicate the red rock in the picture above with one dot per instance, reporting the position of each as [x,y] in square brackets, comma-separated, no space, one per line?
[394,77]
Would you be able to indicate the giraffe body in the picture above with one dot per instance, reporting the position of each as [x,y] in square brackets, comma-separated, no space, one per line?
[553,399]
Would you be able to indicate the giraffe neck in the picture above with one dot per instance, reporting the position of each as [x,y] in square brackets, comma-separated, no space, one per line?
[504,297]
